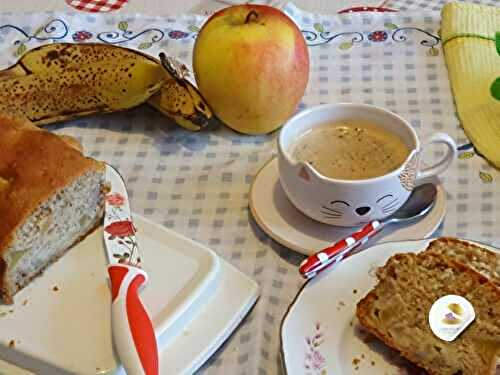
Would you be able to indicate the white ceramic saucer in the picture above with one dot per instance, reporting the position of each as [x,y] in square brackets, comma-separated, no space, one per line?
[274,213]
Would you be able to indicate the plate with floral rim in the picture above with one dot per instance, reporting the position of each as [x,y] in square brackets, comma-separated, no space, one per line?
[320,334]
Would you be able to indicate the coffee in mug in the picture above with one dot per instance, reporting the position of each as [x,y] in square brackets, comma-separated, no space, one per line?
[350,149]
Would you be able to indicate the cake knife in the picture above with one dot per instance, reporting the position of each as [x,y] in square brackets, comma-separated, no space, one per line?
[133,332]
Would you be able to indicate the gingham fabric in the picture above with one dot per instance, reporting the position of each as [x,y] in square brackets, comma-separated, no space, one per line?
[408,5]
[94,6]
[198,183]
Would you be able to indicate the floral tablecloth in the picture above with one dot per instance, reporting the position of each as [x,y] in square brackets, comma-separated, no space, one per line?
[198,183]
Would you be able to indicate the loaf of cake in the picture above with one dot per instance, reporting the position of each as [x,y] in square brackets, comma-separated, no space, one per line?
[51,197]
[397,309]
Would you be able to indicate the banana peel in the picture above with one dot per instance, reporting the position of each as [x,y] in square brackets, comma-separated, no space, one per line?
[60,81]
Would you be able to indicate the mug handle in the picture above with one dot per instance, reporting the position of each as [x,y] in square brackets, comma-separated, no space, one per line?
[440,166]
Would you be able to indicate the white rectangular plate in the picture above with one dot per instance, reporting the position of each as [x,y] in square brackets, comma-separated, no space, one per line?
[68,330]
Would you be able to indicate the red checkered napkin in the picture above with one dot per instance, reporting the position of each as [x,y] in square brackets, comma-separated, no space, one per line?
[95,6]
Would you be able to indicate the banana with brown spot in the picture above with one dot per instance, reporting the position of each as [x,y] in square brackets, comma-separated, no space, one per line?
[179,99]
[61,81]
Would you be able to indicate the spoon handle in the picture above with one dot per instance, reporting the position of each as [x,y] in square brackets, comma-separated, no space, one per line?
[311,266]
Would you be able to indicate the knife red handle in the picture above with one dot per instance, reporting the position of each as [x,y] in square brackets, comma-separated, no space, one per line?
[312,265]
[133,332]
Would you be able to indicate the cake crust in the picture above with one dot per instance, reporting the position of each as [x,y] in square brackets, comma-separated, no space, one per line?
[34,164]
[481,260]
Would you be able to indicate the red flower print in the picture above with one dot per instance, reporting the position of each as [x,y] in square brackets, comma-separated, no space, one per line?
[377,36]
[81,36]
[115,199]
[177,34]
[120,228]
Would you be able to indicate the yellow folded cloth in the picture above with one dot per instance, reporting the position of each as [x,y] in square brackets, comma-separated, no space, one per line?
[468,34]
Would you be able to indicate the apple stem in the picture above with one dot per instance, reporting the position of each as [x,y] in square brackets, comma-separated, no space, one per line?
[251,16]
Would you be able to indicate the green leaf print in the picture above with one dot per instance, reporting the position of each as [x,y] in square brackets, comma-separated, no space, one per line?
[486,177]
[38,31]
[144,45]
[433,51]
[123,25]
[390,26]
[21,49]
[345,45]
[319,27]
[466,155]
[193,28]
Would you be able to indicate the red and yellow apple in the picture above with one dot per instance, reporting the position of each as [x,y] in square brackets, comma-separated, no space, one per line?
[251,64]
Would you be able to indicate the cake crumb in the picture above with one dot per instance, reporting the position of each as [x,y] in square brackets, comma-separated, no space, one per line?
[350,323]
[373,363]
[356,368]
[363,356]
[341,303]
[12,344]
[11,311]
[355,361]
[25,302]
[55,288]
[354,291]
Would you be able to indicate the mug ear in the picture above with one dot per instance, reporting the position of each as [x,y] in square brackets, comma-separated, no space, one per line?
[409,173]
[304,174]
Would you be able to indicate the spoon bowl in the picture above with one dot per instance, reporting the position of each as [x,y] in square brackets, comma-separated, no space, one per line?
[418,204]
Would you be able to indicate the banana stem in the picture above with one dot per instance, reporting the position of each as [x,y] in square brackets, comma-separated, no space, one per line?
[171,68]
[251,16]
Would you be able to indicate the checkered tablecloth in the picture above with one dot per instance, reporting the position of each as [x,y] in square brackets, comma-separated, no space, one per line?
[95,6]
[198,183]
[435,5]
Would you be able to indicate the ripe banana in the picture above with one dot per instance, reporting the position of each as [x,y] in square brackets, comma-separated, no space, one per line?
[179,99]
[61,81]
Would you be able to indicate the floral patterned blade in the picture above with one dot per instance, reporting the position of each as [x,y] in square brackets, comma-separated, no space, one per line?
[119,230]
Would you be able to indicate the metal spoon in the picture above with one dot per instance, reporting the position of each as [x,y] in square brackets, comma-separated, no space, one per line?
[419,203]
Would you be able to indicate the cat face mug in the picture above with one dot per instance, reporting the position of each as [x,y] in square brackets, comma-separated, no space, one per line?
[353,201]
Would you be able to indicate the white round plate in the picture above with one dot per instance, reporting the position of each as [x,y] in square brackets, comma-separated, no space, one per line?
[276,216]
[320,334]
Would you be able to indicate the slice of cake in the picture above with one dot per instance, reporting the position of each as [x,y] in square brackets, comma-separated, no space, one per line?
[397,312]
[51,196]
[482,260]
